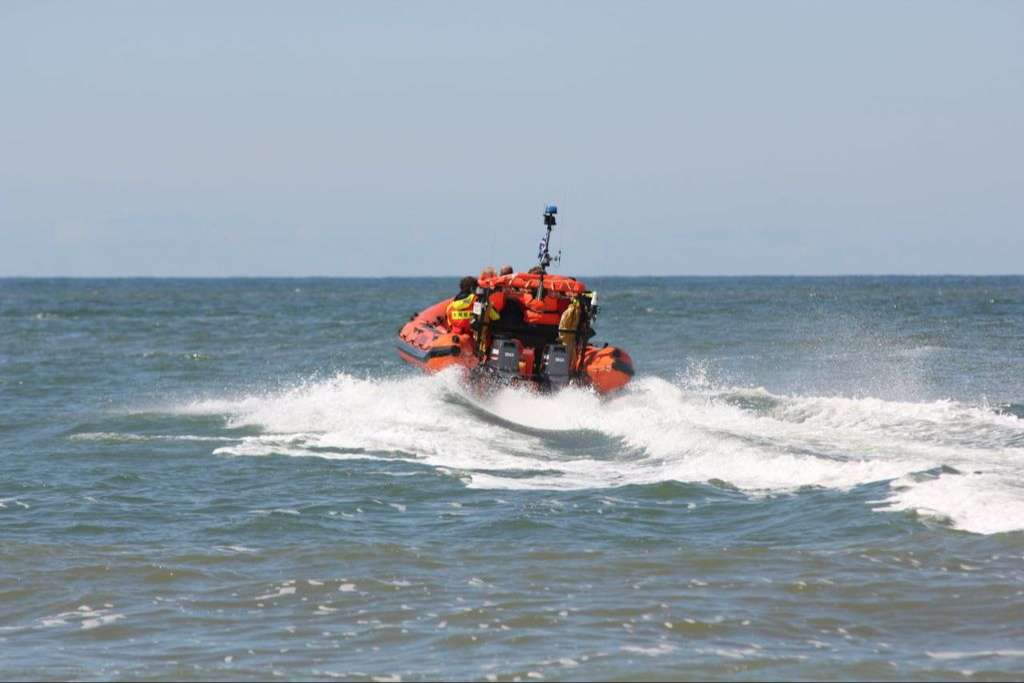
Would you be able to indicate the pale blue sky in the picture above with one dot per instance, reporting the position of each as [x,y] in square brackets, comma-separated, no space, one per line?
[361,138]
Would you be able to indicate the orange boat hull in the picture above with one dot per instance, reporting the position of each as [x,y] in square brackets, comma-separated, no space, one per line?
[426,342]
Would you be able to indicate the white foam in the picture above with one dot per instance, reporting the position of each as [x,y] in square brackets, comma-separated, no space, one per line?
[129,437]
[667,431]
[973,655]
[656,651]
[86,616]
[235,549]
[102,620]
[986,503]
[281,592]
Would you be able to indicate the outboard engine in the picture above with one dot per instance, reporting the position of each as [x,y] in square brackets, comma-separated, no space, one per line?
[556,365]
[505,356]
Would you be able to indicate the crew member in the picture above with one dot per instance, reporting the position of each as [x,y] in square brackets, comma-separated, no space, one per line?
[459,313]
[506,270]
[568,327]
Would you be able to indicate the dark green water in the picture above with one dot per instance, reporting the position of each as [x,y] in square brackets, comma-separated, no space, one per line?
[810,478]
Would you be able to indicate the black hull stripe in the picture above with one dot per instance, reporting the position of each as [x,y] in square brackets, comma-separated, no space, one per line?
[410,350]
[423,355]
[624,368]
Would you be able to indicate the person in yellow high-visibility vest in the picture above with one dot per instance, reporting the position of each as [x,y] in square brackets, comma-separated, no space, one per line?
[459,312]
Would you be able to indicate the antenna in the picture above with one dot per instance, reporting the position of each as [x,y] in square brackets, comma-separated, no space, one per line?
[544,256]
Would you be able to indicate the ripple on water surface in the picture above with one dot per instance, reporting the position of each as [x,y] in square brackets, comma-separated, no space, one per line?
[161,518]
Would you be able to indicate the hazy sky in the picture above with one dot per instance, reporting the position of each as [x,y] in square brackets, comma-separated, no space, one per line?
[361,138]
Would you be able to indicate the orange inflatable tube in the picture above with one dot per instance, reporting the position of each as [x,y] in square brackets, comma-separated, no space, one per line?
[426,342]
[607,369]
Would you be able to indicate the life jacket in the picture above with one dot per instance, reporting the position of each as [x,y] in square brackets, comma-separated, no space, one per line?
[529,281]
[544,311]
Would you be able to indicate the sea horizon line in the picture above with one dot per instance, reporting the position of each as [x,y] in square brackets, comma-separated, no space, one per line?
[457,276]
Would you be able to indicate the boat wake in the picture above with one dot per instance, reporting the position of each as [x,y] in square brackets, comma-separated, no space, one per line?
[960,463]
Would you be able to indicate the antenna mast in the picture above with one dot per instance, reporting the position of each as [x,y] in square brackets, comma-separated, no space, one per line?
[544,256]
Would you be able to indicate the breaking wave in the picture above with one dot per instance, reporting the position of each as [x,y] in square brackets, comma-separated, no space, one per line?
[655,431]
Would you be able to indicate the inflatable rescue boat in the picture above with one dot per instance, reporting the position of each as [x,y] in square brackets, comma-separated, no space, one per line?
[526,328]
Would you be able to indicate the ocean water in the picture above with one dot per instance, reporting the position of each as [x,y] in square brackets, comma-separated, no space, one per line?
[809,478]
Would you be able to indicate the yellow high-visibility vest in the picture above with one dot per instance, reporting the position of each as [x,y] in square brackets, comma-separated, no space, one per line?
[461,309]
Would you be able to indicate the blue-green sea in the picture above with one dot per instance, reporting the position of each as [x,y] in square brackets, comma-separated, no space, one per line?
[808,478]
